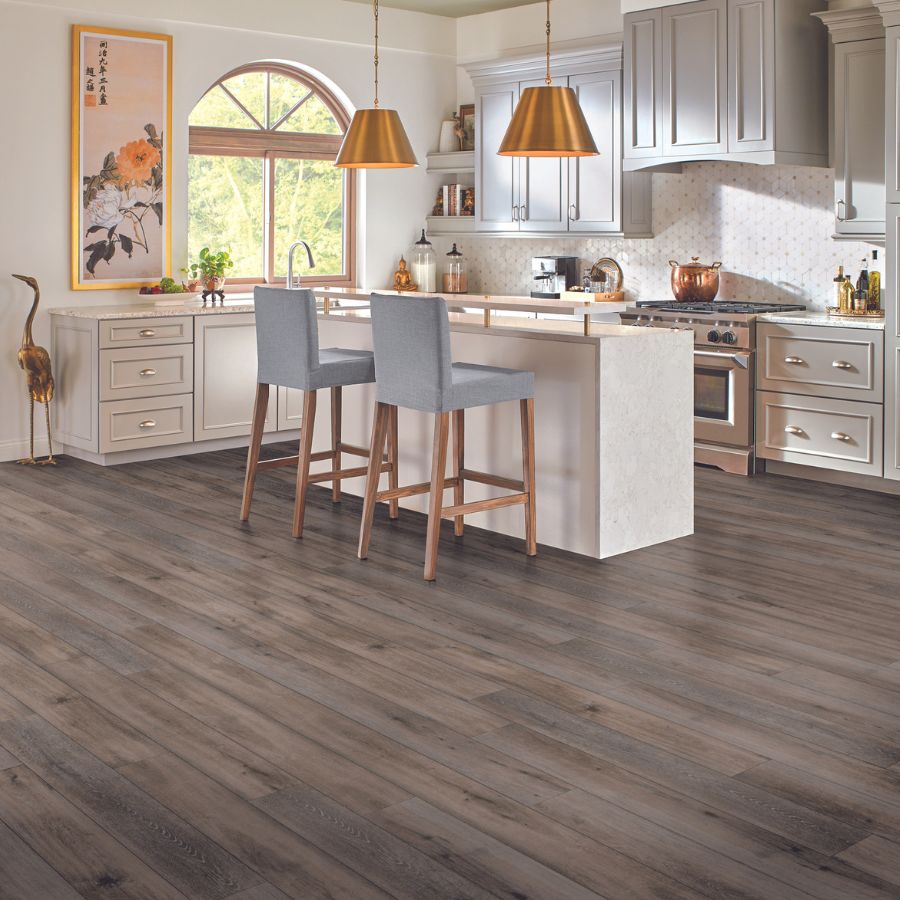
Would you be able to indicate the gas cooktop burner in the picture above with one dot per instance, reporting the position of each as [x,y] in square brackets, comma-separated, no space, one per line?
[721,306]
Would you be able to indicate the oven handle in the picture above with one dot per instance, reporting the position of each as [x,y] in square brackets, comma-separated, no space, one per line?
[742,359]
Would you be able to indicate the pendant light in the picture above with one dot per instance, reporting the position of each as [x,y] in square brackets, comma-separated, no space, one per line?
[548,121]
[376,138]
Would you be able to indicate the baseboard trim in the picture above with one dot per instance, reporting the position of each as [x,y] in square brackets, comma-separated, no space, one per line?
[13,450]
[829,476]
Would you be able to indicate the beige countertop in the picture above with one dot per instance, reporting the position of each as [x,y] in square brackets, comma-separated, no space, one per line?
[816,317]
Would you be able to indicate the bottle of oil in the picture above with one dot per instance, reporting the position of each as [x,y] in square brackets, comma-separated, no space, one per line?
[838,282]
[846,301]
[875,285]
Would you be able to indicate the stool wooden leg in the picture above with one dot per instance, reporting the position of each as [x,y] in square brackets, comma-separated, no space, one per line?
[459,464]
[380,423]
[393,453]
[337,395]
[256,433]
[436,497]
[306,438]
[526,408]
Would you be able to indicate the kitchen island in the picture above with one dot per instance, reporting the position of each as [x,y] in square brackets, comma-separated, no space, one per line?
[614,409]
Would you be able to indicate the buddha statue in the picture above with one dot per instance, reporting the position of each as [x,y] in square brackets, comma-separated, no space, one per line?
[403,279]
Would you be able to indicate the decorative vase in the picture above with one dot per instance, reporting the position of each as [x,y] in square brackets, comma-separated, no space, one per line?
[215,283]
[448,141]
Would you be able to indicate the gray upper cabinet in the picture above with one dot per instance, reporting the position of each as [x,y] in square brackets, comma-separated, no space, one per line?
[588,195]
[643,84]
[741,80]
[496,177]
[694,59]
[859,138]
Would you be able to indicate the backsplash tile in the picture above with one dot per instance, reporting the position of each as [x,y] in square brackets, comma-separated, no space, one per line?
[770,226]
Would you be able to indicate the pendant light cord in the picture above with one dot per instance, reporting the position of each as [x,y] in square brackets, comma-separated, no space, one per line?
[375,8]
[548,78]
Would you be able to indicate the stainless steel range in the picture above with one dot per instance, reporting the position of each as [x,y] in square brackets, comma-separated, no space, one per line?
[724,372]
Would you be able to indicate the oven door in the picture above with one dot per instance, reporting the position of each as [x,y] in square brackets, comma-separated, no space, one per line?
[723,397]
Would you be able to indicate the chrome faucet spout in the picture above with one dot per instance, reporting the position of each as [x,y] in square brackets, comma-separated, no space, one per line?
[309,257]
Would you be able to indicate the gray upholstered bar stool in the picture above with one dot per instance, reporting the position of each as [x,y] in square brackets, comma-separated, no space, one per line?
[414,369]
[288,354]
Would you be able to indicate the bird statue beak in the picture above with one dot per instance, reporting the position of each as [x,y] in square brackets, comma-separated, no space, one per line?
[21,277]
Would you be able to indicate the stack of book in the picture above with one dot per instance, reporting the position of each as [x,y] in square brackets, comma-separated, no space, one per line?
[455,200]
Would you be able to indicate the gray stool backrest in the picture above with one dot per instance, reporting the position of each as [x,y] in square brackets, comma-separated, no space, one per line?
[412,351]
[287,336]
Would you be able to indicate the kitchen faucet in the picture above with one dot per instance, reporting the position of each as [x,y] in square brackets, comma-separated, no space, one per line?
[309,256]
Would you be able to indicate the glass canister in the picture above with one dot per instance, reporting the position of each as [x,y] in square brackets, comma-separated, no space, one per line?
[423,264]
[455,279]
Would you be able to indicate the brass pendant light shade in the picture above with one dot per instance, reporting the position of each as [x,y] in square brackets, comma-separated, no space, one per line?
[376,138]
[548,121]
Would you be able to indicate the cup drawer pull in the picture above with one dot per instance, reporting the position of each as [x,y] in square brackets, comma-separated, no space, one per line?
[841,436]
[148,423]
[841,364]
[793,429]
[147,332]
[147,373]
[794,361]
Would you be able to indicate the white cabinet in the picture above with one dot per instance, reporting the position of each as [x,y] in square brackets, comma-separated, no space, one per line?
[225,377]
[694,58]
[496,177]
[859,138]
[588,195]
[733,80]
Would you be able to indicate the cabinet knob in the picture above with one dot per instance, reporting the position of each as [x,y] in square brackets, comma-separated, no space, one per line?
[841,211]
[515,213]
[523,213]
[841,364]
[573,212]
[841,436]
[148,423]
[147,373]
[793,429]
[793,360]
[147,332]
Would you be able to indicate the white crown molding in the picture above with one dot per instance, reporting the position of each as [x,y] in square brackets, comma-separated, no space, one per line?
[858,24]
[565,62]
[890,11]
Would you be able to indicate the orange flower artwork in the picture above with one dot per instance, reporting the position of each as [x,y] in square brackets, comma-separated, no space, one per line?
[135,162]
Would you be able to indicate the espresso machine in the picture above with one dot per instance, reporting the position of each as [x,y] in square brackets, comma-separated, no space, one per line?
[551,275]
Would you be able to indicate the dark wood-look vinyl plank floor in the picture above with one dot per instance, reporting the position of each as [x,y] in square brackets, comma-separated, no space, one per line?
[192,707]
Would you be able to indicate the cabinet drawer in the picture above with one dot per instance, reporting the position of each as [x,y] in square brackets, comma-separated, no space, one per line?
[146,332]
[133,424]
[831,434]
[846,363]
[129,372]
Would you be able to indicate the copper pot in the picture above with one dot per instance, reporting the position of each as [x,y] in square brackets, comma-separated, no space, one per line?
[694,282]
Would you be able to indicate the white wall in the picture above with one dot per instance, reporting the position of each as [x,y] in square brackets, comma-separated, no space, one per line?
[417,77]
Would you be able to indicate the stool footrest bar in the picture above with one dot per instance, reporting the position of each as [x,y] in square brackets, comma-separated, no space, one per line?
[448,512]
[411,490]
[277,463]
[338,474]
[353,450]
[511,484]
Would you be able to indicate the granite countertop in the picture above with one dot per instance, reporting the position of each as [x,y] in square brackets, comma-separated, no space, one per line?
[816,317]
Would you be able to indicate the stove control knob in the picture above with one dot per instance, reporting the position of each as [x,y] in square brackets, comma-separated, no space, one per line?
[714,337]
[729,337]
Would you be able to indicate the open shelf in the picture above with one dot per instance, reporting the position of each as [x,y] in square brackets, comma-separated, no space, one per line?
[451,224]
[458,162]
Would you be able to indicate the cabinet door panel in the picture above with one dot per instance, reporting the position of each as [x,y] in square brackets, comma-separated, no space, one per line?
[595,182]
[751,75]
[496,177]
[891,299]
[290,408]
[859,99]
[225,377]
[543,187]
[643,84]
[694,78]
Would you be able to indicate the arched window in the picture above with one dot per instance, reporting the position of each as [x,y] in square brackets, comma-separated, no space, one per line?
[263,140]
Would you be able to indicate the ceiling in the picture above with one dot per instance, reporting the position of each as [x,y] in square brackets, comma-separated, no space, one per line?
[453,8]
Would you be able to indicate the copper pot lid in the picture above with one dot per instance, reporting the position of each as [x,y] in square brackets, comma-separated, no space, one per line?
[694,264]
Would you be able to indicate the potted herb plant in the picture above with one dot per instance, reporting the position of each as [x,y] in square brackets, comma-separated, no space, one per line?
[211,268]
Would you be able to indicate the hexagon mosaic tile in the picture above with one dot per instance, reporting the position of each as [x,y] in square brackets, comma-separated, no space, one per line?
[770,226]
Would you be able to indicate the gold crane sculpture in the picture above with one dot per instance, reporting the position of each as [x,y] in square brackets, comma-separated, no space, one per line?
[35,362]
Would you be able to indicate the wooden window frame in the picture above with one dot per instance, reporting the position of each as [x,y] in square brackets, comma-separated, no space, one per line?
[270,145]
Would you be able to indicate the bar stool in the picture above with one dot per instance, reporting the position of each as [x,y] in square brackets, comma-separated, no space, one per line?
[414,369]
[288,354]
